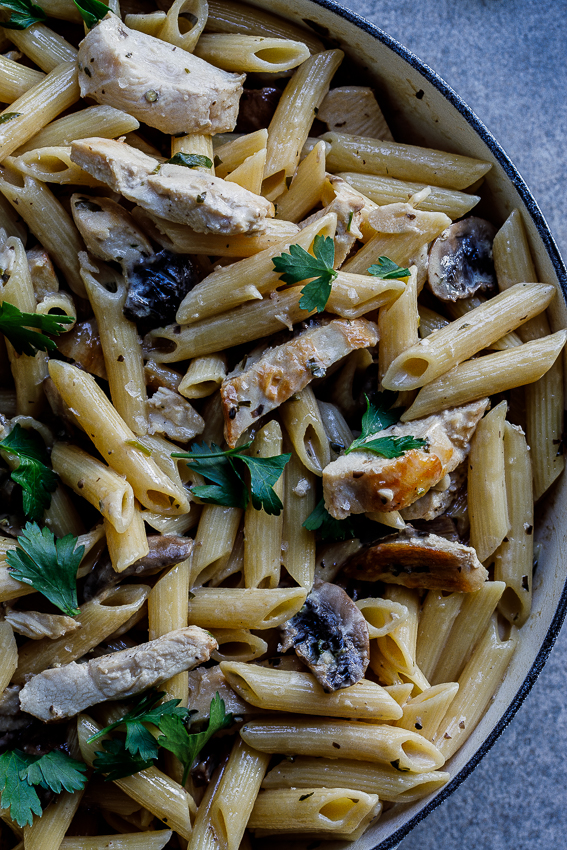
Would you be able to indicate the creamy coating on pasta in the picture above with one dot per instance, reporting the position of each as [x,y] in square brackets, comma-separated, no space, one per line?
[275,407]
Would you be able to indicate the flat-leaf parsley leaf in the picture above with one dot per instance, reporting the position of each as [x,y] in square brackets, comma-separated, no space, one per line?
[300,265]
[33,475]
[387,269]
[377,417]
[92,11]
[16,325]
[48,565]
[24,14]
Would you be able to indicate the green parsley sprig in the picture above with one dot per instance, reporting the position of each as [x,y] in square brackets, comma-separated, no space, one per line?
[21,773]
[15,325]
[33,474]
[377,417]
[328,527]
[226,469]
[24,14]
[190,160]
[387,269]
[48,565]
[300,265]
[92,11]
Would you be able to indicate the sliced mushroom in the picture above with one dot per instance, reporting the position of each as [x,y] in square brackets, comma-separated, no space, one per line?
[165,551]
[417,559]
[460,261]
[331,636]
[257,107]
[156,287]
[82,345]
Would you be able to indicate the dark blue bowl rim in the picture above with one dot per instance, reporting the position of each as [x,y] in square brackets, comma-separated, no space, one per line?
[543,230]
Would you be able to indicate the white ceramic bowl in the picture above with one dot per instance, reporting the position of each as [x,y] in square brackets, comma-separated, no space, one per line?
[424,110]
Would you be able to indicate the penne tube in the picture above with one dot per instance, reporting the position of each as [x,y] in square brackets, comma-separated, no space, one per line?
[58,304]
[167,612]
[98,484]
[9,654]
[214,541]
[235,17]
[488,375]
[292,120]
[238,645]
[184,23]
[49,222]
[11,222]
[306,187]
[203,376]
[230,155]
[468,628]
[512,256]
[250,174]
[46,48]
[200,144]
[244,608]
[404,162]
[164,797]
[175,524]
[398,325]
[16,79]
[477,684]
[127,547]
[355,295]
[103,121]
[382,615]
[303,424]
[390,784]
[487,496]
[48,831]
[327,810]
[460,308]
[343,739]
[398,646]
[248,53]
[389,675]
[246,280]
[388,190]
[38,106]
[263,530]
[116,442]
[513,560]
[98,618]
[459,340]
[148,840]
[438,614]
[107,291]
[287,690]
[424,712]
[544,427]
[298,544]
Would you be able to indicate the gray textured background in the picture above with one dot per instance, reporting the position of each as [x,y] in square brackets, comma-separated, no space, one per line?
[508,60]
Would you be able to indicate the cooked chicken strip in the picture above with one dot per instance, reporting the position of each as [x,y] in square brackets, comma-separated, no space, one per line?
[64,691]
[156,82]
[288,368]
[363,481]
[174,192]
[437,500]
[171,414]
[417,559]
[109,231]
[36,625]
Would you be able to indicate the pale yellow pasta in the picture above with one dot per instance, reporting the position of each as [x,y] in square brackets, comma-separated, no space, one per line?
[38,106]
[404,162]
[149,23]
[238,645]
[246,608]
[98,618]
[149,840]
[344,738]
[512,257]
[355,295]
[468,627]
[150,787]
[53,165]
[45,48]
[478,682]
[389,675]
[247,279]
[246,53]
[103,121]
[115,441]
[302,421]
[298,543]
[173,524]
[438,613]
[398,646]
[233,153]
[327,810]
[200,144]
[487,497]
[98,484]
[424,712]
[382,615]
[296,692]
[513,560]
[203,376]
[488,375]
[167,611]
[398,325]
[294,116]
[250,174]
[262,530]
[58,303]
[180,27]
[460,308]
[231,17]
[127,547]
[8,653]
[16,79]
[459,340]
[48,831]
[389,783]
[107,291]
[336,427]
[306,187]
[214,540]
[544,427]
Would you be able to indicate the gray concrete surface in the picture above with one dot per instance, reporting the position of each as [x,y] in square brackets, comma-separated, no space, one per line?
[508,60]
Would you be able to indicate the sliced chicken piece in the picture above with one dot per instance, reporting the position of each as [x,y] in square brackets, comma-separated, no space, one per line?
[330,636]
[36,625]
[64,691]
[417,559]
[353,109]
[207,204]
[363,481]
[82,345]
[204,683]
[349,206]
[109,231]
[171,414]
[438,499]
[44,279]
[287,369]
[156,82]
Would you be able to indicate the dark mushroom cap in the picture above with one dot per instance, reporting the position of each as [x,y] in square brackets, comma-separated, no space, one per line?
[330,636]
[460,261]
[156,287]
